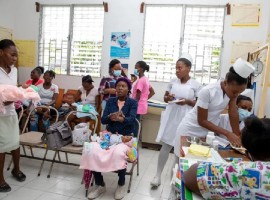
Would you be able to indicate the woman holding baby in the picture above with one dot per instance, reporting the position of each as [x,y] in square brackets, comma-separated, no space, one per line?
[9,131]
[119,116]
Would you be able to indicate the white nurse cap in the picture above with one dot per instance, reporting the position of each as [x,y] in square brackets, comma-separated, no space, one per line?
[187,56]
[243,68]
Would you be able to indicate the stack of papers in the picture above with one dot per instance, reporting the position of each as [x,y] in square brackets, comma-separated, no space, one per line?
[199,150]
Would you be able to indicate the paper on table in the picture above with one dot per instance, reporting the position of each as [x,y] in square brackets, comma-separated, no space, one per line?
[176,101]
[222,142]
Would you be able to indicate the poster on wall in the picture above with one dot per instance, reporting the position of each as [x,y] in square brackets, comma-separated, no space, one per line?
[240,49]
[120,45]
[27,53]
[5,33]
[246,15]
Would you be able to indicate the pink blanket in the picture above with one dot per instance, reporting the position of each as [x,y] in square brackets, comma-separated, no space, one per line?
[13,93]
[95,158]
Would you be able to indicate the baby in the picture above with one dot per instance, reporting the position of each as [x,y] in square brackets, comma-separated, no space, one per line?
[108,139]
[14,93]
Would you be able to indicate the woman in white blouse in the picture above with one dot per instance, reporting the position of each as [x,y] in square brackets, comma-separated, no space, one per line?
[86,94]
[9,131]
[48,93]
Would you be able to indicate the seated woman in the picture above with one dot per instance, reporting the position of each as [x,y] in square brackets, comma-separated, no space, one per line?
[119,115]
[244,105]
[48,93]
[35,80]
[86,94]
[35,77]
[243,180]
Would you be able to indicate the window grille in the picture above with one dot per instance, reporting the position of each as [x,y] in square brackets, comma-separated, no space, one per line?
[71,39]
[162,41]
[203,36]
[172,30]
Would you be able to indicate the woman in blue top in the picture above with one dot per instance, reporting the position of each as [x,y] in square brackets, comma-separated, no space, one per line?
[119,116]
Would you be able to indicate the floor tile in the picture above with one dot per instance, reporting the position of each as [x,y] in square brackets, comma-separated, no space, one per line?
[144,188]
[51,196]
[24,194]
[65,187]
[143,197]
[42,183]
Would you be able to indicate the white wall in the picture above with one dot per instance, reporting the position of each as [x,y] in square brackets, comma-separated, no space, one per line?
[7,18]
[125,15]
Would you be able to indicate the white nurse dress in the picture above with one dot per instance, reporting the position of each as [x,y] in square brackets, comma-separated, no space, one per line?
[173,115]
[210,97]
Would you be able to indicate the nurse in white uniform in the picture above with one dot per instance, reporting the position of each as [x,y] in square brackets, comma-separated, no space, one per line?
[186,89]
[212,100]
[9,126]
[244,105]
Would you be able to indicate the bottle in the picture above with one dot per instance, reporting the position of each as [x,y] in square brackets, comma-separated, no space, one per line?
[210,138]
[215,145]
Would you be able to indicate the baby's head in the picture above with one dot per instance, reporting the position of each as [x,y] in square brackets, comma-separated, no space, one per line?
[256,138]
[126,139]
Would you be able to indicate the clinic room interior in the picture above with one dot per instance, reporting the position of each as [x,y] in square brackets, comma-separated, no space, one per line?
[149,100]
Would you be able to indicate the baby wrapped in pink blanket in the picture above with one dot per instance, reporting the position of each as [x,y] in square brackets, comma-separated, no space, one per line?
[14,93]
[97,156]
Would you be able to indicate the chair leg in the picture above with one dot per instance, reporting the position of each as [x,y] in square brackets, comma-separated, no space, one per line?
[130,179]
[49,175]
[138,167]
[9,165]
[41,166]
[31,150]
[59,158]
[66,156]
[24,150]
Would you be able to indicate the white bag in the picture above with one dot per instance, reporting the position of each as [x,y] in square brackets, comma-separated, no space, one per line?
[81,134]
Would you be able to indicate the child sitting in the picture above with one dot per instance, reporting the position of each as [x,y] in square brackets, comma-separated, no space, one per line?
[244,105]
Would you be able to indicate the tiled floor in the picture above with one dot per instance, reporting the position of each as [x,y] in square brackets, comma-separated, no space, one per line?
[65,181]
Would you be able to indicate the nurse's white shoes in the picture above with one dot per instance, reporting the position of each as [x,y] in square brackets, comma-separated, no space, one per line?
[155,182]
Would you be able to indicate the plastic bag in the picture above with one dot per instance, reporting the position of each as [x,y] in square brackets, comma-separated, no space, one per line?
[81,134]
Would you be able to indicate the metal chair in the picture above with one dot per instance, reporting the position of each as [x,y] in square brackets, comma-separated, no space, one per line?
[69,148]
[33,138]
[136,162]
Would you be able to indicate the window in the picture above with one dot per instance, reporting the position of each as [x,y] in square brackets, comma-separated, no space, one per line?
[172,30]
[71,39]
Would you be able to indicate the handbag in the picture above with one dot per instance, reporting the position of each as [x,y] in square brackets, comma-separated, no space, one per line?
[81,134]
[58,135]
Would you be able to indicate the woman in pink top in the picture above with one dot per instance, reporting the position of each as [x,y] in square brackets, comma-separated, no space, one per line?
[142,90]
[35,77]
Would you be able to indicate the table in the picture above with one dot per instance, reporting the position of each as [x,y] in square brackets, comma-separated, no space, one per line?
[150,125]
[223,153]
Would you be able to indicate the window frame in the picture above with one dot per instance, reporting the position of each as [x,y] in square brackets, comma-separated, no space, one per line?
[183,23]
[70,32]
